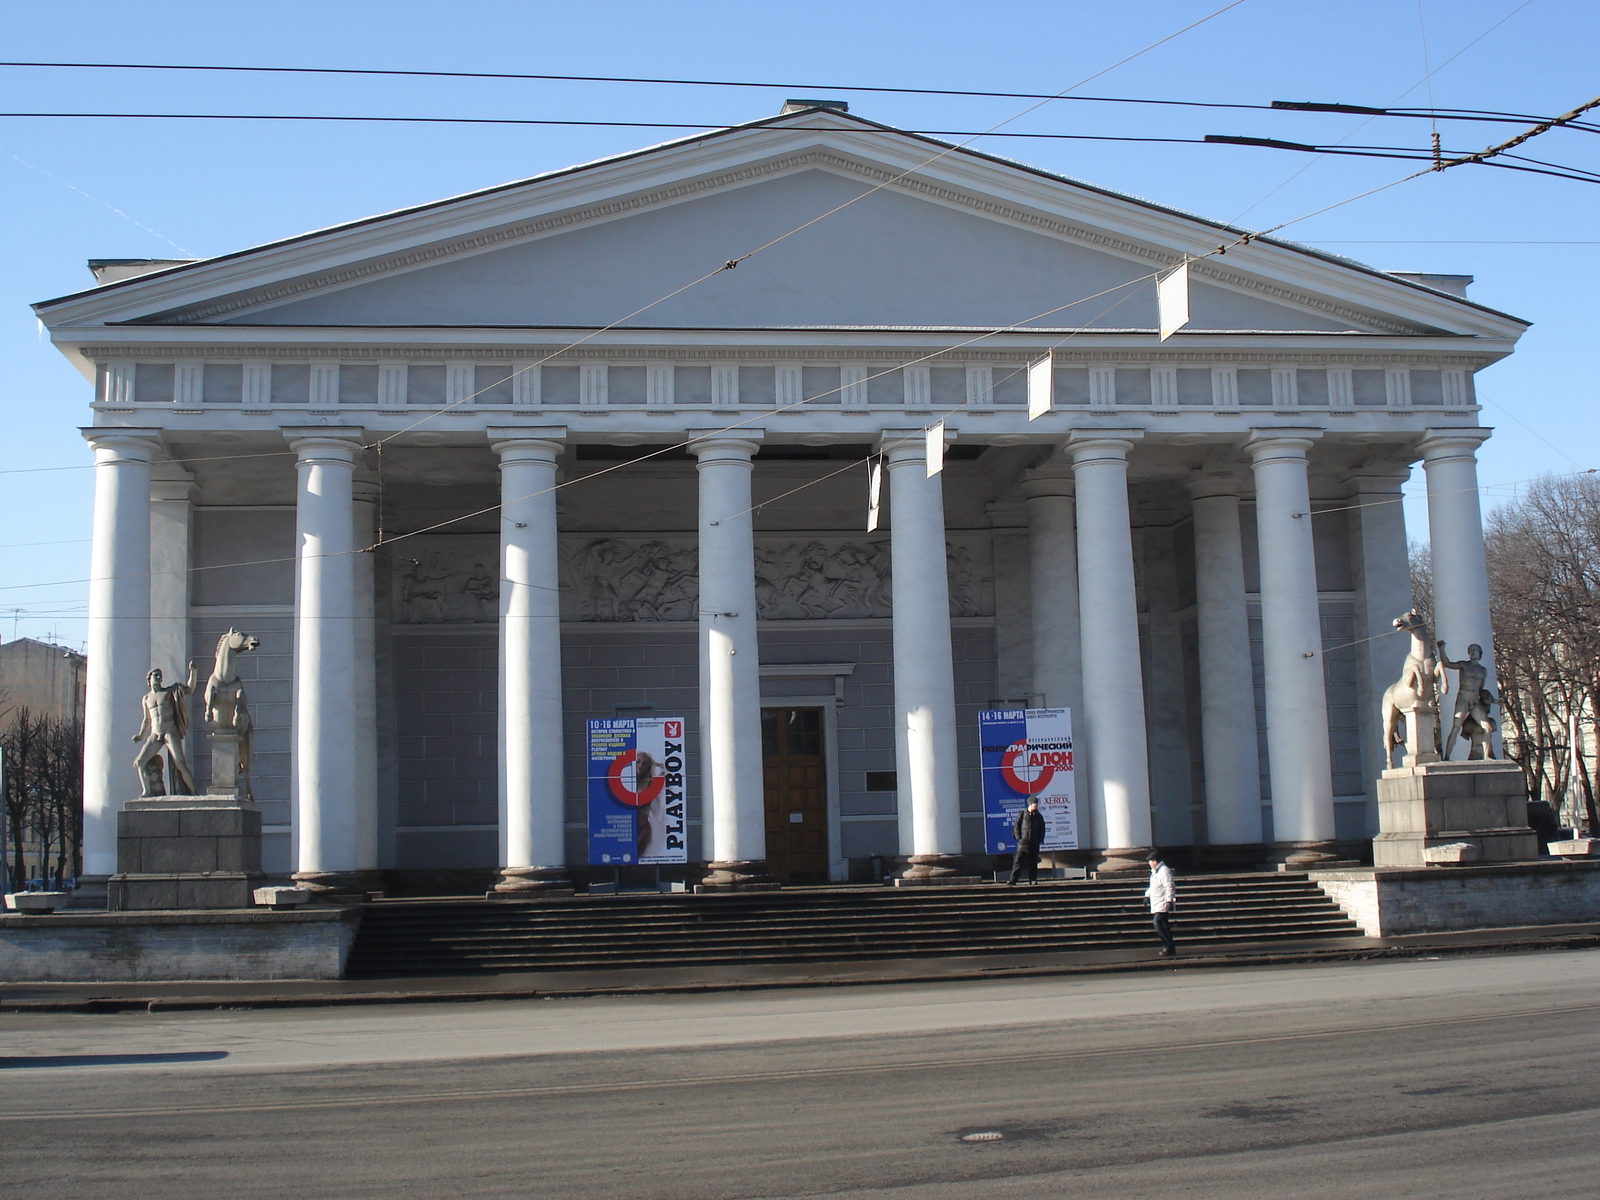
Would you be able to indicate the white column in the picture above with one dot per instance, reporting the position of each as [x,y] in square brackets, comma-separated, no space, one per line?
[730,677]
[1053,557]
[1113,734]
[924,662]
[1380,555]
[170,515]
[118,635]
[1227,692]
[1298,757]
[364,749]
[532,786]
[1455,538]
[325,670]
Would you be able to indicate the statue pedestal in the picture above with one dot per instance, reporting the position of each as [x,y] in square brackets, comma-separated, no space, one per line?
[178,852]
[1436,803]
[227,777]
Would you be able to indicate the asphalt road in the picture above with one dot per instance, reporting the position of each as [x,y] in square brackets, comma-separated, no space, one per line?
[1472,1078]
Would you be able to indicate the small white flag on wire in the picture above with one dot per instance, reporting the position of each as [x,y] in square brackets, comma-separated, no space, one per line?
[1041,386]
[874,491]
[1172,302]
[935,449]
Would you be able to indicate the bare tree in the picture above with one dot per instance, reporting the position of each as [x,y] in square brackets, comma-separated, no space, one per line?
[43,797]
[1543,555]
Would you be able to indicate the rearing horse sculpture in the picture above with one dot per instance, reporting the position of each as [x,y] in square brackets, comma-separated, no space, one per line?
[225,706]
[1414,695]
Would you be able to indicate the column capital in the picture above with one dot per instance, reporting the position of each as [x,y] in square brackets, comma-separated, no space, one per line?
[1386,479]
[337,442]
[1053,478]
[1203,485]
[527,443]
[1443,445]
[128,445]
[724,445]
[1101,445]
[907,445]
[1268,445]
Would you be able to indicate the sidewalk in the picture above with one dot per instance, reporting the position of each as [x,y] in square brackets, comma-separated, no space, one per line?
[552,985]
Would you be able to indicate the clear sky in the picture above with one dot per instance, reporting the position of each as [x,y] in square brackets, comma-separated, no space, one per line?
[72,190]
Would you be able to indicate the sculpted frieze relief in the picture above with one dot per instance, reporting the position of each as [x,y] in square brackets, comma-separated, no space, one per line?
[445,579]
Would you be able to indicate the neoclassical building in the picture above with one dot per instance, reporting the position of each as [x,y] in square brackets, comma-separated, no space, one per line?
[480,471]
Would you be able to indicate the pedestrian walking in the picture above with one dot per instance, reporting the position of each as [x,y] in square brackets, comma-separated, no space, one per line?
[1028,829]
[1163,899]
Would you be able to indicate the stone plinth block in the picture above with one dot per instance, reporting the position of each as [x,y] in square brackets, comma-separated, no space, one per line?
[1452,853]
[182,852]
[1433,804]
[282,897]
[1576,848]
[37,902]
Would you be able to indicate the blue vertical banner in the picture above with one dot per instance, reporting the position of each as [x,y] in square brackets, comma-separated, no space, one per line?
[637,767]
[1027,754]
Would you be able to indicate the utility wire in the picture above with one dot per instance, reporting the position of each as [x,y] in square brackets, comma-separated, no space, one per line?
[1424,114]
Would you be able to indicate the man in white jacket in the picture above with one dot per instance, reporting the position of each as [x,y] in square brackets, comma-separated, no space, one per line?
[1163,899]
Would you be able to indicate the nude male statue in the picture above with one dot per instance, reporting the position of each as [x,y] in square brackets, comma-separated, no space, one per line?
[1469,703]
[163,727]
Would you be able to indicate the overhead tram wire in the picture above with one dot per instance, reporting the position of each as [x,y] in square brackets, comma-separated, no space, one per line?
[1459,114]
[1409,152]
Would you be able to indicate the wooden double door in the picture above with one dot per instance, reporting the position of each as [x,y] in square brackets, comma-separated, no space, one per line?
[795,777]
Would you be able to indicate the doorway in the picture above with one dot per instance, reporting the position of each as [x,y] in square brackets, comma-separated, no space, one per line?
[795,785]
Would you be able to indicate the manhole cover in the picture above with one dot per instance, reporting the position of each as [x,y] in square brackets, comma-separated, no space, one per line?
[989,1136]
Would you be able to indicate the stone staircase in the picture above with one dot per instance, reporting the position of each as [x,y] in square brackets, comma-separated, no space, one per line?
[839,924]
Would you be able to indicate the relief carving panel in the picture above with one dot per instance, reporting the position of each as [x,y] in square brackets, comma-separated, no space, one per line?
[450,579]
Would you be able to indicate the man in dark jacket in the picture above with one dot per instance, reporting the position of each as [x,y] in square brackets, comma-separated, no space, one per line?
[1028,829]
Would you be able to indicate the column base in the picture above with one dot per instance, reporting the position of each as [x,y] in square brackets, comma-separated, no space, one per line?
[1306,856]
[339,887]
[531,883]
[1123,860]
[741,876]
[924,870]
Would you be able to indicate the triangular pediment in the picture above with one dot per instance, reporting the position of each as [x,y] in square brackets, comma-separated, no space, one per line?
[887,258]
[908,237]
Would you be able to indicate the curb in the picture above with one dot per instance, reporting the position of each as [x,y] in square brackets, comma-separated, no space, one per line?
[202,1003]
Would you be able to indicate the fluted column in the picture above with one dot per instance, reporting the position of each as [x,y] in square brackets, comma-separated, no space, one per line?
[1460,574]
[1227,692]
[532,787]
[1299,759]
[730,676]
[118,646]
[1115,750]
[325,772]
[364,747]
[924,661]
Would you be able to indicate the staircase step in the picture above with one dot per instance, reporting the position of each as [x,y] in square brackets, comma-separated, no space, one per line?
[444,936]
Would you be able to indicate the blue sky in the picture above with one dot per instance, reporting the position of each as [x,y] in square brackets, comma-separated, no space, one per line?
[74,190]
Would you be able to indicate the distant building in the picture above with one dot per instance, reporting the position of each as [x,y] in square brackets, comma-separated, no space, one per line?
[46,679]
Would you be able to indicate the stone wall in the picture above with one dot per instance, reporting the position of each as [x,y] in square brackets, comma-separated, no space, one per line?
[1392,902]
[138,947]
